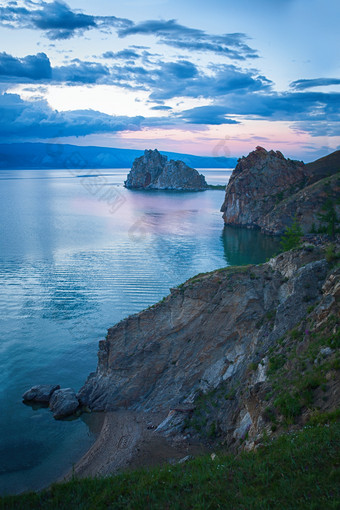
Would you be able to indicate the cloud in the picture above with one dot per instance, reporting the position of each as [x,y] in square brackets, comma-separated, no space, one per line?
[121,55]
[299,106]
[36,119]
[161,108]
[163,80]
[224,80]
[37,68]
[316,82]
[210,115]
[321,128]
[181,78]
[32,67]
[315,113]
[56,19]
[80,72]
[173,34]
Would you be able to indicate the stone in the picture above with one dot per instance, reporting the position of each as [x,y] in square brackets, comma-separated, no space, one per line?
[185,459]
[172,424]
[326,351]
[153,171]
[241,431]
[63,403]
[40,393]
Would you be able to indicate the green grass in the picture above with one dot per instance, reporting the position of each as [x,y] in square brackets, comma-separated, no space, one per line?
[297,470]
[217,186]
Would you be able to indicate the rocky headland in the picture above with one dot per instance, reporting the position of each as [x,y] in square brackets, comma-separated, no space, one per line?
[153,171]
[229,354]
[267,191]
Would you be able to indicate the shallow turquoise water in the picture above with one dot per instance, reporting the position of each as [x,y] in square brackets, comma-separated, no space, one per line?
[78,253]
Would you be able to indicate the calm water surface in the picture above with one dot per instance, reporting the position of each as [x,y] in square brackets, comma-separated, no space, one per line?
[78,253]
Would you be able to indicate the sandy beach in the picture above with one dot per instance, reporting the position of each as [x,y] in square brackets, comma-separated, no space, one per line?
[128,440]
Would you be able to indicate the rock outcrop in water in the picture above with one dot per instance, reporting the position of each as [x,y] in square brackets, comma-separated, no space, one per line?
[266,191]
[154,171]
[214,333]
[40,393]
[62,401]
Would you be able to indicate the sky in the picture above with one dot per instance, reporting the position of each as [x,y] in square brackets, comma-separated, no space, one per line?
[212,78]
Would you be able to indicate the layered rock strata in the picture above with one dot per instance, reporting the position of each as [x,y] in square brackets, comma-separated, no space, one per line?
[206,335]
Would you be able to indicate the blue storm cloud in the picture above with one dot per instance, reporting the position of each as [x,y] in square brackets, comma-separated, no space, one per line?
[33,67]
[212,115]
[37,68]
[121,55]
[36,119]
[313,106]
[79,72]
[173,34]
[316,82]
[56,19]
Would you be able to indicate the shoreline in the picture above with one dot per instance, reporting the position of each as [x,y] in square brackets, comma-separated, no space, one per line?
[128,441]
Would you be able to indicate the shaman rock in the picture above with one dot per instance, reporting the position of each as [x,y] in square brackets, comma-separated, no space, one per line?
[153,171]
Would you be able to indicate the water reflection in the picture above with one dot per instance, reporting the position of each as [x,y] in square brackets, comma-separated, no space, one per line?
[247,246]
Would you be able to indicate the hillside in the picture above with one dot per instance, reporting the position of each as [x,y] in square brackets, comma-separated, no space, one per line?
[323,167]
[296,471]
[44,155]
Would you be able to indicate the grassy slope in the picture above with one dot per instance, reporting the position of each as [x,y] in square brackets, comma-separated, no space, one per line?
[324,167]
[297,470]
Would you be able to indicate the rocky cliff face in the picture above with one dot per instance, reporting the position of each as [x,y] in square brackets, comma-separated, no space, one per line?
[267,190]
[154,171]
[205,336]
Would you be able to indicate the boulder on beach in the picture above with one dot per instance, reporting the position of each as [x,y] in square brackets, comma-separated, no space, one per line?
[153,171]
[40,393]
[63,403]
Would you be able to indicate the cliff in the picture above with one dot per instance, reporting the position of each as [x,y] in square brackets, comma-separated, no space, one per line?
[154,171]
[266,191]
[214,338]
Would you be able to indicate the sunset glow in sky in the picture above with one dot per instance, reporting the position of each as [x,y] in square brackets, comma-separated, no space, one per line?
[210,78]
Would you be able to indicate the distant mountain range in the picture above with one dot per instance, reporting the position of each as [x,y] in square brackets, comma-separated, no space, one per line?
[44,156]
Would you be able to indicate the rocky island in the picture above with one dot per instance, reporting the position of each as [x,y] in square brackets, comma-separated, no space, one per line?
[267,191]
[153,171]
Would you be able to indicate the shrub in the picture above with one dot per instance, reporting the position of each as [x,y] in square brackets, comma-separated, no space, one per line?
[329,217]
[295,334]
[275,363]
[292,236]
[288,405]
[331,255]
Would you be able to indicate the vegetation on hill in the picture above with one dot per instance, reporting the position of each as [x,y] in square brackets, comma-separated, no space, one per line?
[298,470]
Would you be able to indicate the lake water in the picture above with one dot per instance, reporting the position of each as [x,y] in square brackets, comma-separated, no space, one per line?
[79,252]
